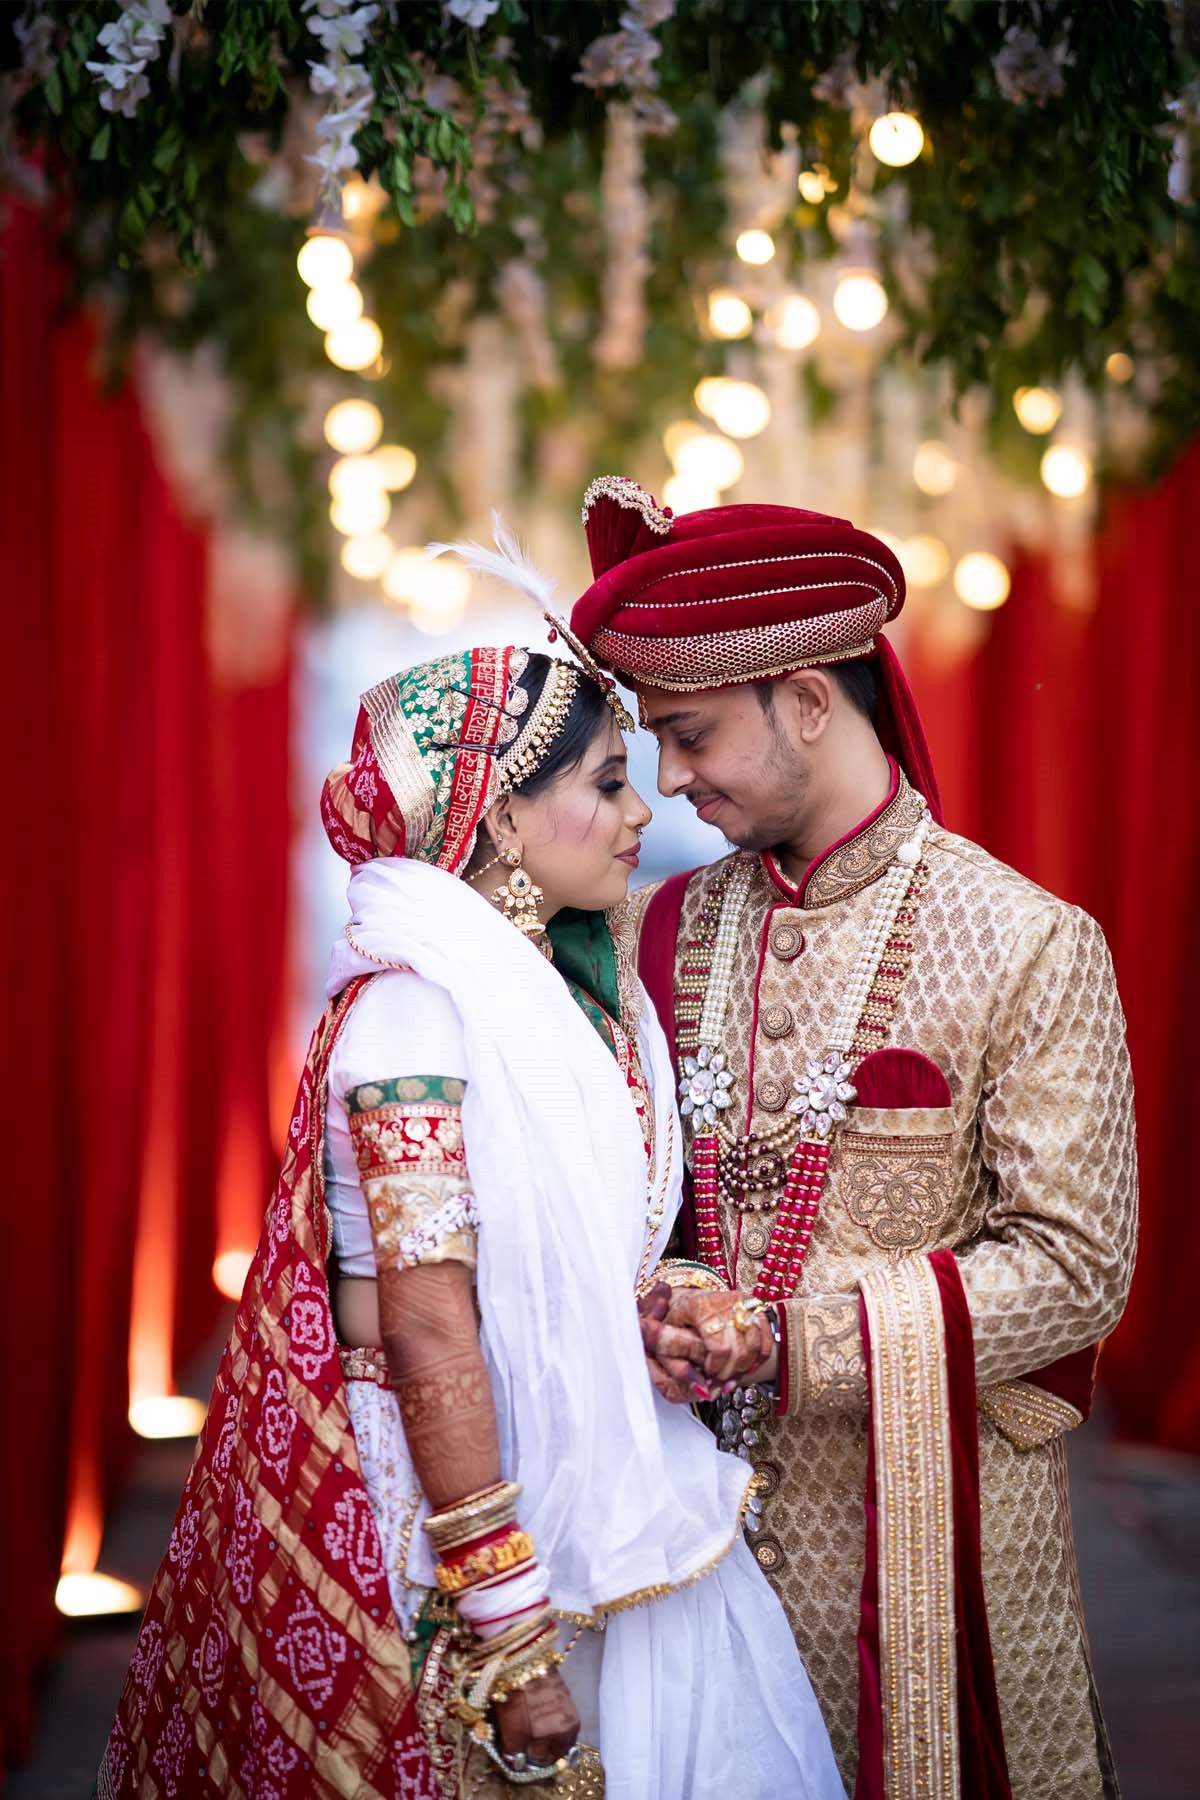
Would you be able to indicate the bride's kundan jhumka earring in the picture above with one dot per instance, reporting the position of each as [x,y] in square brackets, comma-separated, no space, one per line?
[518,898]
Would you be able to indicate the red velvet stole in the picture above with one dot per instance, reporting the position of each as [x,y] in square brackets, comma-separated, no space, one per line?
[270,1658]
[984,1768]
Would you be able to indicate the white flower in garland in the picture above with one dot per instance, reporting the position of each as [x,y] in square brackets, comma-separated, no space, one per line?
[628,58]
[133,42]
[474,13]
[36,38]
[1026,69]
[342,29]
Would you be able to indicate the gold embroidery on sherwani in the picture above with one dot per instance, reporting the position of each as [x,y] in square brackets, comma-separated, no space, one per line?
[834,1372]
[1011,994]
[910,1404]
[897,1189]
[1027,1415]
[855,865]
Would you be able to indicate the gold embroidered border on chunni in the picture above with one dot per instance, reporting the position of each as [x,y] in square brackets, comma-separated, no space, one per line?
[1027,1415]
[403,768]
[917,1654]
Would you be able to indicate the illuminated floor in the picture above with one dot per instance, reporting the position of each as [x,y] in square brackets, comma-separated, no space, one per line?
[1138,1522]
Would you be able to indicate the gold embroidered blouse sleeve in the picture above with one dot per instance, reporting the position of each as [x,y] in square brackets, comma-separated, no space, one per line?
[408,1143]
[1050,1271]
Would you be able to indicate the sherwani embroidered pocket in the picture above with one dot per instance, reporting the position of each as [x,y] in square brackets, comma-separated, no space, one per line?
[894,1175]
[893,1156]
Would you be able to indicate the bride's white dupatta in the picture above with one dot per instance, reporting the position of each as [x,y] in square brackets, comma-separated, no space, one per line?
[627,1498]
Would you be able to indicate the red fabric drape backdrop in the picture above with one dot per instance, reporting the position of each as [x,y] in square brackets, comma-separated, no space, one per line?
[144,934]
[1070,746]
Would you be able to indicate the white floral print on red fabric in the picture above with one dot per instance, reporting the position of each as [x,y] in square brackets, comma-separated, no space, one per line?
[414,1771]
[270,1759]
[170,1753]
[147,1656]
[116,1756]
[312,1648]
[227,1437]
[352,1535]
[298,1130]
[240,1558]
[208,1659]
[182,1546]
[312,1337]
[363,780]
[276,1425]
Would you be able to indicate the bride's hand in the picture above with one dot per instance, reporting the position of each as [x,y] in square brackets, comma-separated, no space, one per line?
[675,1372]
[712,1330]
[539,1721]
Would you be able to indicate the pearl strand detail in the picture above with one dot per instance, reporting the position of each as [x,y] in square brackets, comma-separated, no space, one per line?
[716,995]
[893,891]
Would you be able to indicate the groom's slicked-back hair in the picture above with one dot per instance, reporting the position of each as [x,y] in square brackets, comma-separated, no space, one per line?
[857,681]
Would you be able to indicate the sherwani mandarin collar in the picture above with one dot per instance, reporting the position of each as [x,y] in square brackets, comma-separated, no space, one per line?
[859,858]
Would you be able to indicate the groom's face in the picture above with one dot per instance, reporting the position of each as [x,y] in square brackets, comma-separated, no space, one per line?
[730,752]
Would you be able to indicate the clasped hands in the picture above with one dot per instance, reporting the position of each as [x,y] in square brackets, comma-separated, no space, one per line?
[700,1344]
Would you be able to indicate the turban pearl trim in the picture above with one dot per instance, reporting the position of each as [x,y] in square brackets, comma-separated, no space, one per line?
[891,592]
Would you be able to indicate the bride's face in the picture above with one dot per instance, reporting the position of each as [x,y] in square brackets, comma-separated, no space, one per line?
[579,837]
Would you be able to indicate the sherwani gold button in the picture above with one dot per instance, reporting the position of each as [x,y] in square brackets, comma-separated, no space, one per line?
[770,1094]
[755,1239]
[777,1021]
[787,941]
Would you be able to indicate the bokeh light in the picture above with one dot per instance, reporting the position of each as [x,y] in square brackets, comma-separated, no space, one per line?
[896,139]
[860,302]
[324,260]
[981,581]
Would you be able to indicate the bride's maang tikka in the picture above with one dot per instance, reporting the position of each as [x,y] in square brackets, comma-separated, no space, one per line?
[533,739]
[530,740]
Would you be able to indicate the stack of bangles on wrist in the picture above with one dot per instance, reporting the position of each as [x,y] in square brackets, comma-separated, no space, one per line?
[486,1563]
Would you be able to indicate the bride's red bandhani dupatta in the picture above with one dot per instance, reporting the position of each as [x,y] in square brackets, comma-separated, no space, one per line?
[270,1663]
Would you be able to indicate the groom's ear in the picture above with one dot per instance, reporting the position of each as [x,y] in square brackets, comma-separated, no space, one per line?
[807,697]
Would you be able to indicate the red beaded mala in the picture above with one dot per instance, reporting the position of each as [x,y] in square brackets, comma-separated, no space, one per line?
[824,1091]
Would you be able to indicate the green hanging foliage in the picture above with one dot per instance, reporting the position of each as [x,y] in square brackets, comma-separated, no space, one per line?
[1040,230]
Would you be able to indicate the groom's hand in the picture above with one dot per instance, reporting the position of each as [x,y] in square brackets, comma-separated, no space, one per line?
[674,1366]
[704,1328]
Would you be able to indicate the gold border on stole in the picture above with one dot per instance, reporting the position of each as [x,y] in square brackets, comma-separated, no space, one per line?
[915,1525]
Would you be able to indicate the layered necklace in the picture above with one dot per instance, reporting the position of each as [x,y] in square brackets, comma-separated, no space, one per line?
[824,1090]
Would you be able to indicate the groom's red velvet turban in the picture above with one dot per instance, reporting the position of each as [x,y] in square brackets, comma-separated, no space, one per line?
[742,593]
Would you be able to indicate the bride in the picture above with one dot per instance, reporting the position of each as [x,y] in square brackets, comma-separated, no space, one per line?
[441,1537]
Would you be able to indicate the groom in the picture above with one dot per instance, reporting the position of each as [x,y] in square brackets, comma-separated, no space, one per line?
[909,1117]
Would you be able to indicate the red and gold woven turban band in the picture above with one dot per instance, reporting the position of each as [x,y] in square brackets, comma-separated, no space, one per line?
[736,593]
[742,593]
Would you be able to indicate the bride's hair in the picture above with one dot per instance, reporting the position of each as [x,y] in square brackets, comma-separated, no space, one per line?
[588,711]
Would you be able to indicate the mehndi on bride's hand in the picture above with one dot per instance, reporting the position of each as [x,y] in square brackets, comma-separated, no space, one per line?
[675,1371]
[718,1333]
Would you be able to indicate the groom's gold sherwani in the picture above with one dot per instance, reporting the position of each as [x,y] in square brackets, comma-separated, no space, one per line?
[1028,1176]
